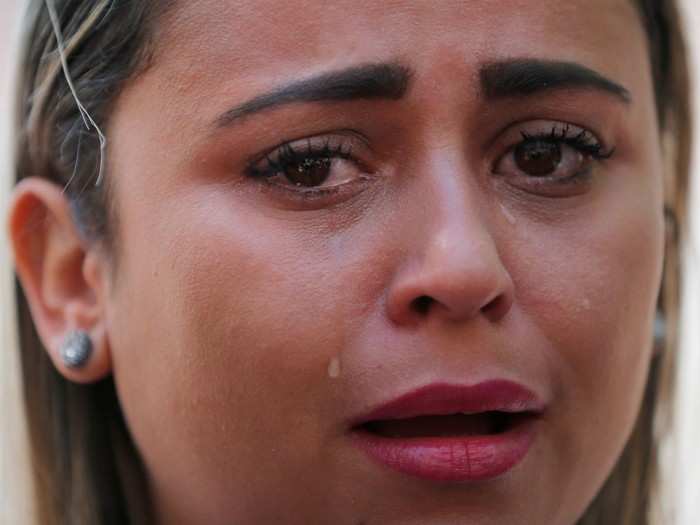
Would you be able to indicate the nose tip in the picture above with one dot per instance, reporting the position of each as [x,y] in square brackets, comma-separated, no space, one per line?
[457,284]
[450,266]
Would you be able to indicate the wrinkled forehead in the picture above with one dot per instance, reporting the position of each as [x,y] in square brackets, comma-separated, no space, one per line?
[320,26]
[295,37]
[266,41]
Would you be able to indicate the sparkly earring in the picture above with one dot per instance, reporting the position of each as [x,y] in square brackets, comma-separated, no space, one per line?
[76,349]
[659,332]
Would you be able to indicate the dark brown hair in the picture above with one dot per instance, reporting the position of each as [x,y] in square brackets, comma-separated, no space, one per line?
[87,470]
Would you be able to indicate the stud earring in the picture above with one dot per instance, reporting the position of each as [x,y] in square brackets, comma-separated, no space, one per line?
[76,349]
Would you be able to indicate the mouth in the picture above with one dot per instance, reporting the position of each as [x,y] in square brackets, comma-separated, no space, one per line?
[452,433]
[444,426]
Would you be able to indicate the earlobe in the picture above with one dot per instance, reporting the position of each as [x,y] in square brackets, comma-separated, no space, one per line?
[62,276]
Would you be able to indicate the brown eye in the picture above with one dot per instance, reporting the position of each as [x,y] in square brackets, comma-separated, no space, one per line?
[538,158]
[309,172]
[563,162]
[321,165]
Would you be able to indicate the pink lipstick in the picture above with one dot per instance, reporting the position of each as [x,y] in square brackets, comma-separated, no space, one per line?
[452,433]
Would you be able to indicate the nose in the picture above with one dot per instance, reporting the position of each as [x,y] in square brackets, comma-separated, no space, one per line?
[451,267]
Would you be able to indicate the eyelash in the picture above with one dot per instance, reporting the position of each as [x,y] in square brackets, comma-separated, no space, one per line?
[278,161]
[290,155]
[582,141]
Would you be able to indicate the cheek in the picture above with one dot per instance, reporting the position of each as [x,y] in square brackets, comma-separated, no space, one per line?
[601,289]
[589,285]
[594,281]
[244,318]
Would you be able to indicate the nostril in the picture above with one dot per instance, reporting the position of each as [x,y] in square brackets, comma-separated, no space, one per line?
[422,304]
[493,310]
[496,308]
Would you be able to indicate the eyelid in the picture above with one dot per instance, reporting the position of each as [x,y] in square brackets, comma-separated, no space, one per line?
[273,164]
[513,135]
[317,138]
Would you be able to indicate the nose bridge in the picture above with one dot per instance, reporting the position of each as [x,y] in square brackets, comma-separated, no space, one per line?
[457,241]
[452,266]
[454,230]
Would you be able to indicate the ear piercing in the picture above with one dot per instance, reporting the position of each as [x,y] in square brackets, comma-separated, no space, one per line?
[76,349]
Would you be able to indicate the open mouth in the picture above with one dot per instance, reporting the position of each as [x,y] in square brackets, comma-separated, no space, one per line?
[457,447]
[452,433]
[452,425]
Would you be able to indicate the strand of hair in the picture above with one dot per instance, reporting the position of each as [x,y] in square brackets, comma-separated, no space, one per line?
[87,118]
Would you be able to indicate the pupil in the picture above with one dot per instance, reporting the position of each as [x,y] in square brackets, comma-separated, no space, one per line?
[538,158]
[309,172]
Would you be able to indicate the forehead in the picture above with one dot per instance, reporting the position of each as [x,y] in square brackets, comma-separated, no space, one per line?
[265,34]
[213,49]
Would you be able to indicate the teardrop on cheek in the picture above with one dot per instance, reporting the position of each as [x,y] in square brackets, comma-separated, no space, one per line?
[508,215]
[334,368]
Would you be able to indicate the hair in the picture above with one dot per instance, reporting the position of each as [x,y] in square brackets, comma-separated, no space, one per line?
[86,467]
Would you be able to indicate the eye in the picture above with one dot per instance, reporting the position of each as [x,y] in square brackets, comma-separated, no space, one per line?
[310,165]
[539,158]
[564,155]
[310,171]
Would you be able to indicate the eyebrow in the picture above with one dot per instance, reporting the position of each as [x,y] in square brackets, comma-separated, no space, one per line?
[525,77]
[391,81]
[370,81]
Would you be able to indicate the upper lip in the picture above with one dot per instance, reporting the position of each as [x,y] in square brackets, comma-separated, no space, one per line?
[444,399]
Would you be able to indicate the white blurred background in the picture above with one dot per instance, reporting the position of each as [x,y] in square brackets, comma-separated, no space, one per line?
[14,508]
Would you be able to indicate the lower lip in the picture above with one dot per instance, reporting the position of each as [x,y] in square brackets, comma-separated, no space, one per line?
[452,459]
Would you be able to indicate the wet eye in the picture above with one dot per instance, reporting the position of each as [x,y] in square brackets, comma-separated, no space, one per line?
[538,158]
[308,172]
[560,157]
[309,166]
[545,160]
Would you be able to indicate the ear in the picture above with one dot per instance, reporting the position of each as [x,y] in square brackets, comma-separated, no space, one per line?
[63,276]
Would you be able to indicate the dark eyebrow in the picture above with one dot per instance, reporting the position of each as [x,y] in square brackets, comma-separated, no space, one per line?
[385,80]
[525,77]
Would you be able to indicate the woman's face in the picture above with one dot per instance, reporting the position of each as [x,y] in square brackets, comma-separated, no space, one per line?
[326,207]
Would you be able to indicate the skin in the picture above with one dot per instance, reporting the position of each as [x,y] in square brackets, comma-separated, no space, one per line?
[245,328]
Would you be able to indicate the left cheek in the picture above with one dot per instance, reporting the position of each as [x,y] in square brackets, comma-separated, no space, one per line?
[622,273]
[591,290]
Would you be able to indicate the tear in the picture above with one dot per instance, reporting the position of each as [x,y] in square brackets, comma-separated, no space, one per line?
[334,368]
[508,215]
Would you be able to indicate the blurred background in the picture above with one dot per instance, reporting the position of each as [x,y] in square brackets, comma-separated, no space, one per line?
[14,479]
